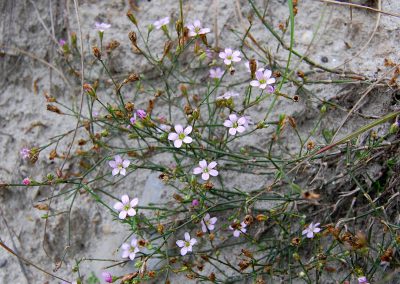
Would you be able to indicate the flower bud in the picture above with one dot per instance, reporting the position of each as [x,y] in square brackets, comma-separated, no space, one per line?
[253,67]
[394,127]
[96,52]
[131,17]
[133,38]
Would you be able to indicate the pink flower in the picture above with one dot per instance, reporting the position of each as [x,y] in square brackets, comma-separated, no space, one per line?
[263,79]
[208,223]
[230,56]
[141,113]
[161,22]
[101,27]
[130,250]
[239,228]
[235,125]
[312,228]
[62,42]
[228,95]
[195,202]
[25,152]
[187,244]
[362,280]
[26,181]
[180,135]
[133,120]
[196,29]
[107,276]
[119,166]
[216,73]
[206,170]
[126,207]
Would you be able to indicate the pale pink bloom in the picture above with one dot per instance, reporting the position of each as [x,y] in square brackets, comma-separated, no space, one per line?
[216,73]
[61,42]
[130,250]
[119,166]
[196,29]
[101,27]
[107,277]
[187,244]
[235,124]
[228,95]
[362,280]
[132,119]
[206,170]
[230,56]
[239,229]
[25,152]
[180,135]
[26,181]
[248,121]
[195,202]
[208,223]
[126,207]
[161,22]
[141,113]
[263,79]
[312,228]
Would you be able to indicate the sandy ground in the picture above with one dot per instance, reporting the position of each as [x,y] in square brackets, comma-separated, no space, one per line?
[27,38]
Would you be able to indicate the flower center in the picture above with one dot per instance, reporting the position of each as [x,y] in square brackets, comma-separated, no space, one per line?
[127,207]
[263,81]
[235,125]
[119,166]
[197,29]
[187,244]
[181,136]
[132,249]
[229,57]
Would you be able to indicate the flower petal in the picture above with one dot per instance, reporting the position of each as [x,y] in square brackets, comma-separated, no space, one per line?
[310,235]
[178,128]
[187,140]
[213,173]
[115,171]
[118,159]
[271,81]
[131,212]
[233,117]
[267,73]
[132,256]
[112,164]
[187,236]
[236,233]
[184,251]
[172,136]
[254,83]
[126,163]
[122,171]
[197,170]
[212,165]
[203,164]
[232,131]
[178,143]
[134,202]
[205,176]
[241,121]
[125,199]
[118,206]
[125,254]
[188,130]
[193,241]
[180,243]
[228,123]
[122,215]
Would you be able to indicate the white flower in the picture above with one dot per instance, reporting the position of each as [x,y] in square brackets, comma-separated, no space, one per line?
[239,228]
[312,228]
[102,26]
[216,73]
[263,79]
[206,170]
[230,56]
[126,207]
[119,166]
[196,29]
[228,95]
[180,135]
[161,22]
[235,125]
[130,250]
[208,223]
[187,244]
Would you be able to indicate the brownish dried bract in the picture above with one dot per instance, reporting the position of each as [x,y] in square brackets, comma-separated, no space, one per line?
[112,45]
[54,109]
[41,206]
[387,255]
[295,241]
[211,277]
[253,67]
[261,218]
[160,228]
[389,63]
[131,17]
[133,38]
[311,195]
[129,106]
[247,253]
[150,107]
[177,197]
[96,52]
[128,277]
[208,185]
[248,220]
[244,263]
[53,154]
[49,98]
[310,145]
[292,122]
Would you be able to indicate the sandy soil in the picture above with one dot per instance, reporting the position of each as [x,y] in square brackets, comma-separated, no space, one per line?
[29,29]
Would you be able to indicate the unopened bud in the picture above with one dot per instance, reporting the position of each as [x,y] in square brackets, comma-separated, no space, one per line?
[131,17]
[253,67]
[394,127]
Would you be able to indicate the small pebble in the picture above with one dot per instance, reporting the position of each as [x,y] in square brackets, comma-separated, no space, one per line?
[324,59]
[3,262]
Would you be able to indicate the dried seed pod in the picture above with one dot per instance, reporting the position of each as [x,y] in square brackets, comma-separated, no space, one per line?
[96,52]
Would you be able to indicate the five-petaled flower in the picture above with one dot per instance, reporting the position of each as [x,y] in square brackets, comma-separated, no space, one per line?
[311,229]
[25,152]
[230,56]
[208,223]
[235,124]
[180,135]
[101,27]
[126,206]
[228,95]
[161,22]
[206,170]
[130,250]
[196,29]
[216,73]
[263,80]
[61,42]
[238,228]
[26,181]
[119,166]
[187,244]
